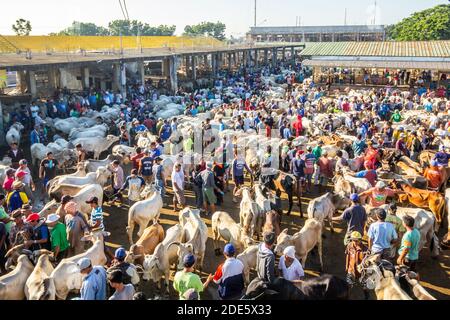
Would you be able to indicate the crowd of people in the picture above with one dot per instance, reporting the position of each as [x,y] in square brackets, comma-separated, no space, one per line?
[395,239]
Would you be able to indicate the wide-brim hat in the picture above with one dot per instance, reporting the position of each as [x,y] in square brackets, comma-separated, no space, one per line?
[52,218]
[17,184]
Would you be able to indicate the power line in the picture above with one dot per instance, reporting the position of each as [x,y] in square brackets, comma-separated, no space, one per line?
[121,8]
[126,10]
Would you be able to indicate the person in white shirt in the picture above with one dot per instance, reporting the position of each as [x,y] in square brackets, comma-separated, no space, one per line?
[291,269]
[178,187]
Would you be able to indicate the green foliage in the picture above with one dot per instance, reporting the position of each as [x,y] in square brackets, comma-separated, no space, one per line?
[22,27]
[116,28]
[210,29]
[84,29]
[134,27]
[429,24]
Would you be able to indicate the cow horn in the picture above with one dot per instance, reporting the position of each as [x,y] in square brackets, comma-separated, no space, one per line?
[176,243]
[10,252]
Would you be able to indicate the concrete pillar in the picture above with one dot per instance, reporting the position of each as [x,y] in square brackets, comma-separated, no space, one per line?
[62,78]
[173,66]
[320,37]
[229,61]
[31,81]
[187,65]
[214,64]
[248,56]
[21,81]
[166,67]
[141,71]
[205,59]
[52,78]
[256,58]
[194,67]
[332,37]
[102,85]
[284,54]
[266,57]
[116,85]
[293,55]
[85,77]
[303,37]
[274,57]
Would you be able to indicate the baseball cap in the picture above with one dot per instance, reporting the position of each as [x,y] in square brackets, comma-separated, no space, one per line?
[33,217]
[380,185]
[269,238]
[21,174]
[23,161]
[189,260]
[355,235]
[16,213]
[84,263]
[229,249]
[120,253]
[92,200]
[434,163]
[354,197]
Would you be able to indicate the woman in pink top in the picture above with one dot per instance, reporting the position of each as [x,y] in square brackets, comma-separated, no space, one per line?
[379,194]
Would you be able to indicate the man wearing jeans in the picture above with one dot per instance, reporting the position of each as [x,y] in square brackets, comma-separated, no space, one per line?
[381,235]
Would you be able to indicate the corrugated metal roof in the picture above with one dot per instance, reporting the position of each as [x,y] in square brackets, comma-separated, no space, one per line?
[439,49]
[426,65]
[317,29]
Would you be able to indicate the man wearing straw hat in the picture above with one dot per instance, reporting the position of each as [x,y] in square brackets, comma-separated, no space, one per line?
[58,237]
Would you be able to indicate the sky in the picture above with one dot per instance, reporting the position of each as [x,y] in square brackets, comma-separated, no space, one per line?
[54,15]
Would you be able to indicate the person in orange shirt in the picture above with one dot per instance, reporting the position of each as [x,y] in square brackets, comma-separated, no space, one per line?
[434,175]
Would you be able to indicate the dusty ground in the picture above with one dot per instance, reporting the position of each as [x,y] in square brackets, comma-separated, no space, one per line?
[435,274]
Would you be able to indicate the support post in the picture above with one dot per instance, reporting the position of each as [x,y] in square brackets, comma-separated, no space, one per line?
[141,71]
[274,57]
[62,78]
[229,62]
[293,55]
[256,58]
[173,74]
[85,77]
[31,82]
[52,78]
[116,77]
[266,57]
[194,67]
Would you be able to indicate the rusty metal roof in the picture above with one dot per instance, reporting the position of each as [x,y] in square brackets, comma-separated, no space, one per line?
[422,65]
[440,49]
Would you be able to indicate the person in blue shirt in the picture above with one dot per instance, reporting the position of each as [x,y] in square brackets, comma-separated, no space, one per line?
[94,284]
[35,136]
[165,131]
[428,106]
[382,235]
[154,151]
[221,125]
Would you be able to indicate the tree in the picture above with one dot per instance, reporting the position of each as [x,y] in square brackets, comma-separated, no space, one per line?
[429,24]
[134,27]
[210,29]
[83,29]
[22,27]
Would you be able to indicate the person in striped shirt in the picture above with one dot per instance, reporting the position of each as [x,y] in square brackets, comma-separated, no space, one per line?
[96,214]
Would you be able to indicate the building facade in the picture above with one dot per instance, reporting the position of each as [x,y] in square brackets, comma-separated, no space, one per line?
[318,33]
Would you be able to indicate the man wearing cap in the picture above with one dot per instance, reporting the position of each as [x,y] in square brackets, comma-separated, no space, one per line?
[229,276]
[369,173]
[355,216]
[354,254]
[35,135]
[122,291]
[135,184]
[40,238]
[24,174]
[58,237]
[434,175]
[76,227]
[145,167]
[96,214]
[237,172]
[154,151]
[442,157]
[159,177]
[17,197]
[118,263]
[379,194]
[187,279]
[178,187]
[291,269]
[94,282]
[18,226]
[325,170]
[118,176]
[135,160]
[265,261]
[382,235]
[165,132]
[401,144]
[409,249]
[208,188]
[415,146]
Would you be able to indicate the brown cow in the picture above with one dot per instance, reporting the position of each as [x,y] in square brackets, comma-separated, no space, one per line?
[273,222]
[432,200]
[151,237]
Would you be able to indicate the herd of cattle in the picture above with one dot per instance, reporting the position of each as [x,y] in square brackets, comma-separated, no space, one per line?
[156,251]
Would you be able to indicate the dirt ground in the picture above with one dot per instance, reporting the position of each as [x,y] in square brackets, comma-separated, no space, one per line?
[435,274]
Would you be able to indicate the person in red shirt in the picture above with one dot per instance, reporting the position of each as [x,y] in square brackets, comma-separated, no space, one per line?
[372,155]
[326,170]
[148,123]
[346,106]
[298,126]
[10,178]
[137,158]
[434,175]
[247,104]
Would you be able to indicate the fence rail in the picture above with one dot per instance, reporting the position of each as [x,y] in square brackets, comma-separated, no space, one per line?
[50,44]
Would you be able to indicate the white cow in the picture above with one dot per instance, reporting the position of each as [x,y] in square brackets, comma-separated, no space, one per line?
[248,259]
[40,285]
[96,145]
[325,206]
[14,133]
[12,284]
[142,212]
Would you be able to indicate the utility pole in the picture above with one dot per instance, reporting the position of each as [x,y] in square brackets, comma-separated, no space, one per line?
[375,13]
[255,13]
[345,17]
[296,20]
